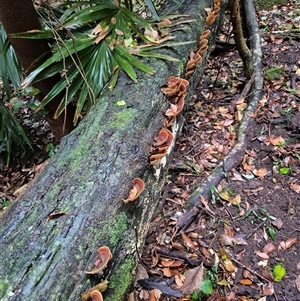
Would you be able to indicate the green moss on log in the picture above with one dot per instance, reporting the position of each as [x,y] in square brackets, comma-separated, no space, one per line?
[120,281]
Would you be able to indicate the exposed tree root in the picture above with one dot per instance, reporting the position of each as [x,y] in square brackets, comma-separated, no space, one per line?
[244,51]
[236,155]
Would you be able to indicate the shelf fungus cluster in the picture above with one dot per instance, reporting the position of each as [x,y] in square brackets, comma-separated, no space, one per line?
[196,57]
[214,14]
[175,91]
[137,189]
[161,144]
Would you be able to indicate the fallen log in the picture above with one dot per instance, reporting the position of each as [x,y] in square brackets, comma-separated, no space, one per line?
[49,238]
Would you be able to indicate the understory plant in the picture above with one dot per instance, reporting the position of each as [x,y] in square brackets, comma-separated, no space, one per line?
[11,132]
[91,42]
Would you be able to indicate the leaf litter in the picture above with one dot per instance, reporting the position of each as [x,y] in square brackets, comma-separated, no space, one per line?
[243,244]
[244,241]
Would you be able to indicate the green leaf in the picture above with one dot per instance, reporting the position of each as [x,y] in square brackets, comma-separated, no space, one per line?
[284,170]
[132,60]
[223,282]
[121,103]
[271,232]
[152,9]
[114,79]
[207,287]
[279,272]
[34,34]
[123,63]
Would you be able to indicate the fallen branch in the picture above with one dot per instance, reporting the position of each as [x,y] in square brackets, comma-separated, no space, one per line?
[235,156]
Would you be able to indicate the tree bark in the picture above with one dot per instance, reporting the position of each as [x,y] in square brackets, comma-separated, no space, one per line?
[20,16]
[87,180]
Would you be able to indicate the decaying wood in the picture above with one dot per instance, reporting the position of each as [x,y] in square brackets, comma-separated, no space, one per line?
[46,258]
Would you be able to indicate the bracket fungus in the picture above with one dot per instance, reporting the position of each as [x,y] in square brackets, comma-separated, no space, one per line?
[160,149]
[214,14]
[96,296]
[135,192]
[104,255]
[194,59]
[100,287]
[175,90]
[205,35]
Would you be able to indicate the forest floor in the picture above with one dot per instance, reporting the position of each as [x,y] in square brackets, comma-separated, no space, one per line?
[242,243]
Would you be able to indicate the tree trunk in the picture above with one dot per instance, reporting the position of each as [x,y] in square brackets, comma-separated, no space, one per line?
[20,16]
[87,180]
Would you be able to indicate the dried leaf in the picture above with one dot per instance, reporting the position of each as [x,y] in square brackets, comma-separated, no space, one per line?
[277,223]
[236,200]
[268,289]
[276,141]
[245,282]
[295,187]
[297,282]
[267,274]
[167,262]
[269,248]
[155,295]
[290,242]
[261,172]
[225,240]
[228,265]
[193,280]
[167,272]
[224,195]
[262,255]
[187,241]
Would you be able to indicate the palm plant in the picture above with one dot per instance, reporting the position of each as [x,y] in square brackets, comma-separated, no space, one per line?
[92,41]
[11,132]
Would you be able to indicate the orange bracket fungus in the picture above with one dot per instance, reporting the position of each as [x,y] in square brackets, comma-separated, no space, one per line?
[90,293]
[194,60]
[205,35]
[138,187]
[96,296]
[161,145]
[104,255]
[214,14]
[175,90]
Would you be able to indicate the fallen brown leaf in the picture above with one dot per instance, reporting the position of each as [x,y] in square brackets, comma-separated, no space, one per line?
[297,282]
[276,141]
[290,242]
[245,282]
[193,280]
[295,187]
[269,248]
[260,172]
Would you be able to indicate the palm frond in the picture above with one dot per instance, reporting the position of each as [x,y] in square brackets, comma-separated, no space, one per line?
[93,41]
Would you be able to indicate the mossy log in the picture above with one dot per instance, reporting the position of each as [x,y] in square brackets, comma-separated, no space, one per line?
[87,180]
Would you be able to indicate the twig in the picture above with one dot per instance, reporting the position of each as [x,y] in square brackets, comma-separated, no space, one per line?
[250,270]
